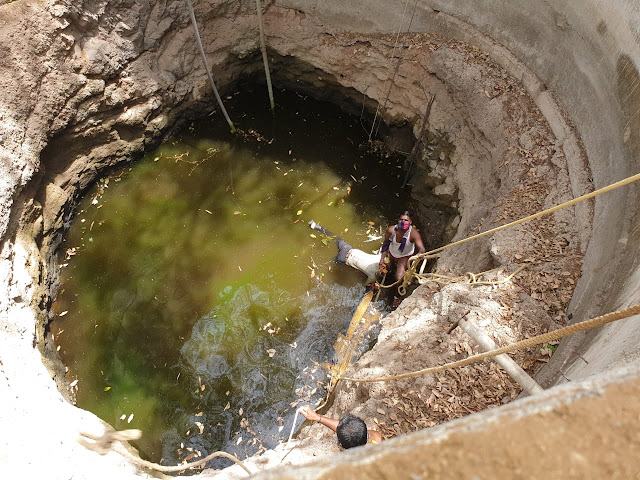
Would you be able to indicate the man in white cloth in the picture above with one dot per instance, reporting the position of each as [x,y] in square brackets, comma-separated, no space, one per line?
[367,263]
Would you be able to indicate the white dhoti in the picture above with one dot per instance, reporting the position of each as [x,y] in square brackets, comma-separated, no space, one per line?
[367,263]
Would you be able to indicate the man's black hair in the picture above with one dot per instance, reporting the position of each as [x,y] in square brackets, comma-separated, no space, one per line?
[351,431]
[406,212]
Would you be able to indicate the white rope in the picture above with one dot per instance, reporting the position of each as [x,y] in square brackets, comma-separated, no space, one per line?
[293,427]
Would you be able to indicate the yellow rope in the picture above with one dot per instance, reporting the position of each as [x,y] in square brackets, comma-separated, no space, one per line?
[105,443]
[544,338]
[413,261]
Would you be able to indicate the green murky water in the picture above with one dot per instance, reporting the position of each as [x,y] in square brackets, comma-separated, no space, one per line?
[198,303]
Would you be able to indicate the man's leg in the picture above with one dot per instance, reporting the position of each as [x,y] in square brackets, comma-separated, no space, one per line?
[401,268]
[314,226]
[343,247]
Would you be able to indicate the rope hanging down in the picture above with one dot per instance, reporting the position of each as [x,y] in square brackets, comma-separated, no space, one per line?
[413,262]
[206,66]
[529,342]
[384,106]
[108,441]
[393,54]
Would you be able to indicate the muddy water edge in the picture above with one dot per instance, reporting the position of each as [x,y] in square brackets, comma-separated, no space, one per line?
[194,302]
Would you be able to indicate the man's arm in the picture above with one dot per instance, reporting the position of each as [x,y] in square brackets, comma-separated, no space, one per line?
[417,240]
[385,245]
[332,423]
[310,414]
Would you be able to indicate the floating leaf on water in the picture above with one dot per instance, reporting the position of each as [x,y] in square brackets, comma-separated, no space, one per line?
[106,389]
[130,418]
[312,235]
[330,203]
[299,212]
[237,212]
[324,240]
[124,415]
[210,213]
[348,189]
[336,188]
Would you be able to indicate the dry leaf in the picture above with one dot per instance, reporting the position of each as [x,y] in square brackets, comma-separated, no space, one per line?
[200,427]
[271,352]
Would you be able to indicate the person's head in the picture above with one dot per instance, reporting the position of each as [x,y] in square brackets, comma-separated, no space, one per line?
[351,432]
[404,221]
